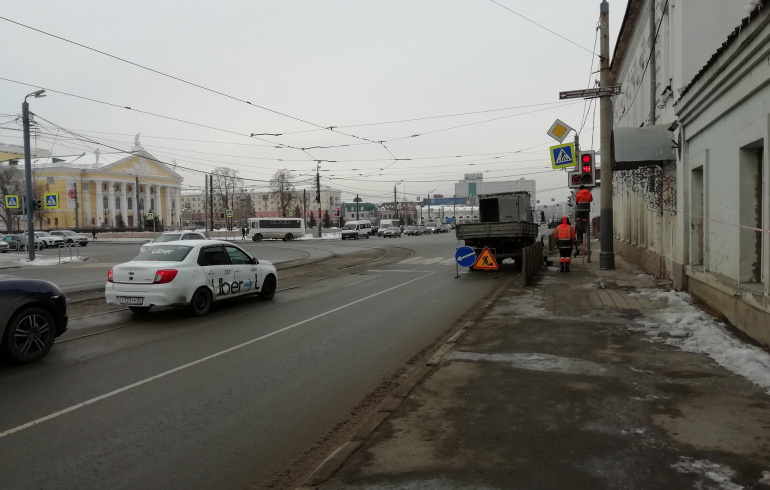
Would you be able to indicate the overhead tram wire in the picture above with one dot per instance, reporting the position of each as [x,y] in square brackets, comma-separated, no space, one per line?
[187,82]
[541,26]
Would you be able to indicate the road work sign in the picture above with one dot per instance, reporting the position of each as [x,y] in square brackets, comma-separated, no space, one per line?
[563,156]
[12,202]
[465,256]
[51,201]
[486,261]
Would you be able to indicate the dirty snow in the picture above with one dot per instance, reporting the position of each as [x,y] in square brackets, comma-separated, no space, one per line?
[684,325]
[47,261]
[534,362]
[720,474]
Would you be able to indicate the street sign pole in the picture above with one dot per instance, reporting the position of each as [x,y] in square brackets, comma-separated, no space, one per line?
[28,177]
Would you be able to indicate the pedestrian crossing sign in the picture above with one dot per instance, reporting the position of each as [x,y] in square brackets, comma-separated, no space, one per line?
[563,156]
[229,213]
[486,261]
[12,202]
[150,216]
[51,201]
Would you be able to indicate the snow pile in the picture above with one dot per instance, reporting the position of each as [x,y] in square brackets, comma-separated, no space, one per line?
[685,326]
[50,261]
[720,474]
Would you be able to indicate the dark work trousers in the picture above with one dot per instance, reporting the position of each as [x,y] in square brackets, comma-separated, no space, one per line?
[565,251]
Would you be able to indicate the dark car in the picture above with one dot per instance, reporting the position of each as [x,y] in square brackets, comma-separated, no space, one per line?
[20,242]
[33,313]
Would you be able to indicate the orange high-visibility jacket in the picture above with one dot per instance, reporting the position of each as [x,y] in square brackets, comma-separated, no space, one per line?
[564,231]
[584,195]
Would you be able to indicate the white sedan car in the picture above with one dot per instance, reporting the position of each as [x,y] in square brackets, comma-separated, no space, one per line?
[192,273]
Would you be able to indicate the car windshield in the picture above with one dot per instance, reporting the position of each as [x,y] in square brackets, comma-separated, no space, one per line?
[165,253]
[168,238]
[69,233]
[43,233]
[349,227]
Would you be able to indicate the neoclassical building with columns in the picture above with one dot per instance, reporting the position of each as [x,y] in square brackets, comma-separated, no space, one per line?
[102,194]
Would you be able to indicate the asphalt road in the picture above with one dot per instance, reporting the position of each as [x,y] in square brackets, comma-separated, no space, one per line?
[227,400]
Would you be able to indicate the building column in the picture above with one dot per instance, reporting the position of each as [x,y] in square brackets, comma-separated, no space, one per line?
[124,202]
[111,203]
[86,194]
[147,201]
[159,204]
[169,207]
[176,193]
[99,203]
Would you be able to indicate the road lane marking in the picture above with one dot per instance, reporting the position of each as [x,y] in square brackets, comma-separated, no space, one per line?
[199,361]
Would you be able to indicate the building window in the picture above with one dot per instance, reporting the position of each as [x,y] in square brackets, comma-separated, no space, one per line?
[105,202]
[130,202]
[56,221]
[117,202]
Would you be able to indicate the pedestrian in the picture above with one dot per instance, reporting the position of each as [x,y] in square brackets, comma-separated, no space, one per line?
[93,232]
[243,233]
[565,240]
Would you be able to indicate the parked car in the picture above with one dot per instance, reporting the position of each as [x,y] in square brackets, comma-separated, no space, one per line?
[392,232]
[71,237]
[33,313]
[172,236]
[4,246]
[191,273]
[19,242]
[50,240]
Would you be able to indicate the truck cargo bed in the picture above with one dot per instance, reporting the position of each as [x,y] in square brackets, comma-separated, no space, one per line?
[503,229]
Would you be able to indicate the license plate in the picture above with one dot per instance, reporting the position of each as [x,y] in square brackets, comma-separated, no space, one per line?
[127,300]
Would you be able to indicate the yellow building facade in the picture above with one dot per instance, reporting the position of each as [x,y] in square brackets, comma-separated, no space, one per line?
[101,196]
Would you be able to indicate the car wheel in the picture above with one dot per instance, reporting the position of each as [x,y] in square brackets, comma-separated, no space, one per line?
[139,310]
[343,238]
[268,288]
[29,336]
[200,304]
[367,236]
[257,237]
[356,236]
[288,238]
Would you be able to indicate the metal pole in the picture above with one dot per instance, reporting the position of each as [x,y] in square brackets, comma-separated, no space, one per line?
[75,188]
[652,63]
[395,201]
[318,197]
[356,206]
[28,177]
[211,200]
[606,254]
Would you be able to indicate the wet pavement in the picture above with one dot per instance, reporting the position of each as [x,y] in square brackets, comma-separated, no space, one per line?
[573,383]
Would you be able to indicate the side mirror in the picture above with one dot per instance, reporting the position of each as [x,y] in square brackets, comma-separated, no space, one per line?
[254,261]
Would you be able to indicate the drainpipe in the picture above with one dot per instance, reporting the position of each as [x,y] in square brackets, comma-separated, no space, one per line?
[653,77]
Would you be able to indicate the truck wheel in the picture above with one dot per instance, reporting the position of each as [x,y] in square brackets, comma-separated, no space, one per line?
[257,237]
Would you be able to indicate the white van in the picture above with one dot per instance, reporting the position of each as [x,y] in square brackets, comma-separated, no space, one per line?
[287,229]
[357,229]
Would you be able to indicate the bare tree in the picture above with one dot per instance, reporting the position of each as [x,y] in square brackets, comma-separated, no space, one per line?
[228,187]
[9,185]
[283,190]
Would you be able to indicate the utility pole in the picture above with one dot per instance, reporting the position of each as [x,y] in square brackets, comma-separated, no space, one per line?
[318,196]
[211,200]
[206,205]
[606,254]
[395,201]
[357,206]
[75,188]
[653,78]
[30,204]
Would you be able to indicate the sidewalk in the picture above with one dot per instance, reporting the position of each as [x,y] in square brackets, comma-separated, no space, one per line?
[579,381]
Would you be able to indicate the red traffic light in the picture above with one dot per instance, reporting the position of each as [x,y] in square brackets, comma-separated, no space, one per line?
[586,168]
[586,158]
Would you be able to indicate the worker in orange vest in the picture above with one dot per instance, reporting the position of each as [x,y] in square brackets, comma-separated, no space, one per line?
[565,240]
[583,200]
[584,195]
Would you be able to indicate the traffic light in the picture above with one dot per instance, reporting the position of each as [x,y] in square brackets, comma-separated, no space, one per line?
[37,204]
[588,168]
[337,213]
[574,179]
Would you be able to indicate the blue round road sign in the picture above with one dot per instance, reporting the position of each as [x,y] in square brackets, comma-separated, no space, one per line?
[465,256]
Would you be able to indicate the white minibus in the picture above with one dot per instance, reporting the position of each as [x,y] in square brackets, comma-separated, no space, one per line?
[287,229]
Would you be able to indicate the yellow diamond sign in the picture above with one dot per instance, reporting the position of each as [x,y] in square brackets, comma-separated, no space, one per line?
[559,130]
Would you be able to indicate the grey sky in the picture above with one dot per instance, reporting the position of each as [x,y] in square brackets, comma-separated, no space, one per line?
[339,63]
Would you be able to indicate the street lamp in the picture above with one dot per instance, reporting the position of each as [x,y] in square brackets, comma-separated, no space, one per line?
[395,197]
[28,173]
[429,202]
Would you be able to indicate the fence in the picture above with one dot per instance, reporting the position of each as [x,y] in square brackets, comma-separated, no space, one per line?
[532,262]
